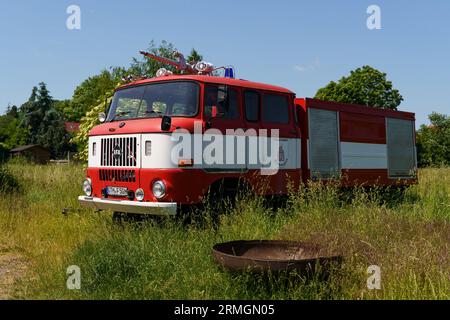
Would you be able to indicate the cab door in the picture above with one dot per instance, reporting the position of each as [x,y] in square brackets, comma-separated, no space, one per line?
[278,118]
[277,113]
[225,125]
[252,114]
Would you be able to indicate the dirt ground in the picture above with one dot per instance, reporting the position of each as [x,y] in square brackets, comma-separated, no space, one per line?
[13,267]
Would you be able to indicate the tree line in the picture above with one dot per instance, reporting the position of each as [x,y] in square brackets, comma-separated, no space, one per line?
[37,121]
[40,120]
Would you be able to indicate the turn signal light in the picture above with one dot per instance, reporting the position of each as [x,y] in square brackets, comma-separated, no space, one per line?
[185,162]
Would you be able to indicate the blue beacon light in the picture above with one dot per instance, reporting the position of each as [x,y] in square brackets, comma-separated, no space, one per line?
[229,72]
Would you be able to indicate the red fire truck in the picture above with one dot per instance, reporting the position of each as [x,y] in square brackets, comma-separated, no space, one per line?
[132,167]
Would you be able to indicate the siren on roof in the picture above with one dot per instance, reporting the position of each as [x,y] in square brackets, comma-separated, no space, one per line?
[229,72]
[163,72]
[202,67]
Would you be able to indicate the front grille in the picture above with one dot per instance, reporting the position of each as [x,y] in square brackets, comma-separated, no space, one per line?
[119,152]
[117,175]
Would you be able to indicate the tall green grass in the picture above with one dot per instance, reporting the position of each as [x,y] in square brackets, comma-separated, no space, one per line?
[8,183]
[407,236]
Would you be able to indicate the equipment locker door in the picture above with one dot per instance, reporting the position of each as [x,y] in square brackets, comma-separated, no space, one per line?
[400,148]
[323,144]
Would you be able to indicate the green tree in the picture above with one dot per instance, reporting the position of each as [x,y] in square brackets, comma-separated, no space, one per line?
[433,141]
[28,106]
[144,67]
[31,116]
[194,57]
[64,107]
[44,125]
[12,112]
[89,121]
[365,86]
[53,134]
[4,153]
[11,134]
[89,91]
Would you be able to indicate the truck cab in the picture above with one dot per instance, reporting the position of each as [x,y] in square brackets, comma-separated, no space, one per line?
[132,167]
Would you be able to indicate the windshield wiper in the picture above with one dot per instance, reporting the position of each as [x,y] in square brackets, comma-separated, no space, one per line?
[120,114]
[157,113]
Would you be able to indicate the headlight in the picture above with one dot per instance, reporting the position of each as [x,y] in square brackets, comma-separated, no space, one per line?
[159,189]
[87,187]
[139,194]
[102,117]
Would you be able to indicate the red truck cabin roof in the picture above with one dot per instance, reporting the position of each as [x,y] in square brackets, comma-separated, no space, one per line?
[211,79]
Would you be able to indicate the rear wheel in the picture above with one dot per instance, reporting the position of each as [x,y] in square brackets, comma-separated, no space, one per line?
[187,214]
[223,195]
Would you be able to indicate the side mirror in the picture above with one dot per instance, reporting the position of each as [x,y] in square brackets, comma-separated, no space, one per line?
[166,123]
[102,117]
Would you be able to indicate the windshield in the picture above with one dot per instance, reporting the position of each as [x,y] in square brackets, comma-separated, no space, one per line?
[178,99]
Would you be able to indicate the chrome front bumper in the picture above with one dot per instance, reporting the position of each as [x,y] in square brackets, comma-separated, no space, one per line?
[151,208]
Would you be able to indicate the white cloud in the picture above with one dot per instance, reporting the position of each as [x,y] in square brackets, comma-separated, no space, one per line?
[308,67]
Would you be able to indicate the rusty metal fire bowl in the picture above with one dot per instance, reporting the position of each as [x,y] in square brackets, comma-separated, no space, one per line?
[273,255]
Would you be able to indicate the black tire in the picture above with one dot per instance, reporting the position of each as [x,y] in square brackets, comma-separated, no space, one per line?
[188,213]
[118,217]
[223,195]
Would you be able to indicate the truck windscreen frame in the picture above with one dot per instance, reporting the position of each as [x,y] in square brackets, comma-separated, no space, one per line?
[171,98]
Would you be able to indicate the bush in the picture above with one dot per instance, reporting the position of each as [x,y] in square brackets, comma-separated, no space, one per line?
[87,123]
[8,183]
[4,153]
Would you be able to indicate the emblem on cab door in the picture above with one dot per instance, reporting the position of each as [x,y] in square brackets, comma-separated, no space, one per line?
[282,159]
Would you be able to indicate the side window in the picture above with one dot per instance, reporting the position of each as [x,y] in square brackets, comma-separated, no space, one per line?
[224,99]
[233,104]
[275,109]
[251,106]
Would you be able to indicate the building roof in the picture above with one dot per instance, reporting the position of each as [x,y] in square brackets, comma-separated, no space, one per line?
[211,79]
[28,147]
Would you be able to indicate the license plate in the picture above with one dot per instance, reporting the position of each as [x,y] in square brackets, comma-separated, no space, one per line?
[117,191]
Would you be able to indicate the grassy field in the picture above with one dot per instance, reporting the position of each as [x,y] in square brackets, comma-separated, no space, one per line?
[409,239]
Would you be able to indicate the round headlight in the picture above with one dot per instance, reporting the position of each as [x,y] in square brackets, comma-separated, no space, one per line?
[139,194]
[102,117]
[159,189]
[87,187]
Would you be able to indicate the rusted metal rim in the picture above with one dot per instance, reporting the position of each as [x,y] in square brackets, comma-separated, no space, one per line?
[274,255]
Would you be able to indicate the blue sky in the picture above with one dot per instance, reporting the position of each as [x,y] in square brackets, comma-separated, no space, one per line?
[301,45]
